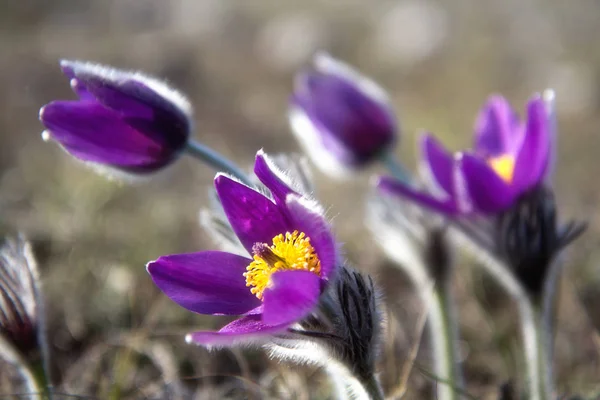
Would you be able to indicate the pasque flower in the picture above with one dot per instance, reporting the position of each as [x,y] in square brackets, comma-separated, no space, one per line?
[293,255]
[342,118]
[123,120]
[509,158]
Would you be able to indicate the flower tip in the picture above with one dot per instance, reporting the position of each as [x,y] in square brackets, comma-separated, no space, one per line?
[46,136]
[189,339]
[549,95]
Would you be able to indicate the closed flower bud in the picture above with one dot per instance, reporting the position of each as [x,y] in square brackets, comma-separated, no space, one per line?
[122,120]
[343,119]
[20,301]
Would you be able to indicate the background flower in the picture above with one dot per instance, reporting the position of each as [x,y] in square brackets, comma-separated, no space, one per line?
[509,158]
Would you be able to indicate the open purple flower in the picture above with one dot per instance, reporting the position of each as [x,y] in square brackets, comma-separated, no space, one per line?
[122,120]
[509,158]
[344,120]
[293,255]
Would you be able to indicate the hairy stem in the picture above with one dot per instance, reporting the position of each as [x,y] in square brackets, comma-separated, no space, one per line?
[397,170]
[444,337]
[348,386]
[536,340]
[216,161]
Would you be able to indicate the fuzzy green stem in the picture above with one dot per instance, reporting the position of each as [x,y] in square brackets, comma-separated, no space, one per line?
[536,342]
[216,160]
[395,168]
[444,337]
[348,386]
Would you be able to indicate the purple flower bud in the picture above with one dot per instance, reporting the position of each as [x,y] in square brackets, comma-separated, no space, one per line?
[343,119]
[122,120]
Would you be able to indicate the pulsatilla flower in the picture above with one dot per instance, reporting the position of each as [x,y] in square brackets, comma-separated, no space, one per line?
[342,118]
[122,120]
[509,158]
[293,256]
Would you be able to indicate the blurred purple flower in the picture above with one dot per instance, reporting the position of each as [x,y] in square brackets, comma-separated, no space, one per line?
[293,255]
[343,119]
[509,159]
[122,120]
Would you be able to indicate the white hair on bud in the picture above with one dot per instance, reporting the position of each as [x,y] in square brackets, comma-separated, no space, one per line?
[310,140]
[116,75]
[325,63]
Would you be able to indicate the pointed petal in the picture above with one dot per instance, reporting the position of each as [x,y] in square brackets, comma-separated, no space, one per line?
[439,162]
[291,297]
[394,187]
[246,330]
[210,282]
[253,217]
[534,154]
[308,217]
[93,133]
[488,192]
[497,128]
[271,177]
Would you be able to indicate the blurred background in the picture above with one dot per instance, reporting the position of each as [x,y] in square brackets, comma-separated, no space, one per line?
[114,336]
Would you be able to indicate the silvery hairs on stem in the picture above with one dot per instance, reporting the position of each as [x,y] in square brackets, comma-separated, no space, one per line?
[411,236]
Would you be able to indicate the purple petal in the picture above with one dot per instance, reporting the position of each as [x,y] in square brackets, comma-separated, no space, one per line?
[291,296]
[440,163]
[534,154]
[394,187]
[351,121]
[307,217]
[248,329]
[268,174]
[253,217]
[144,103]
[497,128]
[488,192]
[93,133]
[210,282]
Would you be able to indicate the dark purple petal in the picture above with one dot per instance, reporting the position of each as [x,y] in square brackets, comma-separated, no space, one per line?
[265,171]
[152,112]
[488,192]
[290,297]
[497,128]
[394,187]
[248,329]
[534,154]
[307,217]
[93,133]
[253,217]
[440,163]
[358,127]
[209,282]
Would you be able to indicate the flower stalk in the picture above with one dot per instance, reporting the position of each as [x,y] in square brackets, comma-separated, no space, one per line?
[221,164]
[444,337]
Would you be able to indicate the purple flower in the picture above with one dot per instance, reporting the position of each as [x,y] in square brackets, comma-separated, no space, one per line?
[343,119]
[292,251]
[122,120]
[509,158]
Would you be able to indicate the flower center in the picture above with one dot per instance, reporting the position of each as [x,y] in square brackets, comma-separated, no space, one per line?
[290,252]
[504,166]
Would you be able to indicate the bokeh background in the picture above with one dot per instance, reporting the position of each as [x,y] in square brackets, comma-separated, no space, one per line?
[114,336]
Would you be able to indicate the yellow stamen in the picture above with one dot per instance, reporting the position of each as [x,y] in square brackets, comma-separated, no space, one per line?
[290,252]
[504,166]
